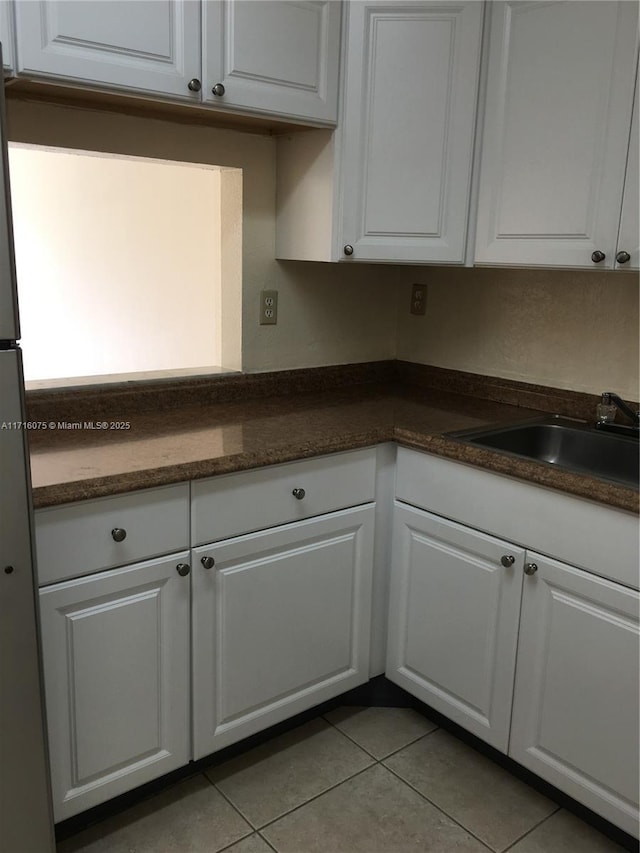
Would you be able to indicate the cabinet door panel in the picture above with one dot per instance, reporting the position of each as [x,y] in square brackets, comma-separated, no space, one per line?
[275,57]
[7,36]
[575,712]
[281,623]
[453,620]
[151,45]
[629,235]
[411,87]
[556,127]
[116,663]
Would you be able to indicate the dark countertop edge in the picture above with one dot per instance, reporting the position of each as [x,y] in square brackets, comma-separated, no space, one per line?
[577,485]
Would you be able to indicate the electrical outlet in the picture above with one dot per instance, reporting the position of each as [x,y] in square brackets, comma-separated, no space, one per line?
[268,307]
[418,298]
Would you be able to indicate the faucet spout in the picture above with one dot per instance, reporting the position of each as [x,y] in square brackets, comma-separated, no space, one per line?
[610,398]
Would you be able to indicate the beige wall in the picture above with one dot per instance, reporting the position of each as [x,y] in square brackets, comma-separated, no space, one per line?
[326,316]
[568,329]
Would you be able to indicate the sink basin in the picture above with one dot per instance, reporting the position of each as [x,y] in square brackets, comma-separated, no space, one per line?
[565,443]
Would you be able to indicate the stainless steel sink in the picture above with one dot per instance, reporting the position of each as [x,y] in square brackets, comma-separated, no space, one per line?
[565,443]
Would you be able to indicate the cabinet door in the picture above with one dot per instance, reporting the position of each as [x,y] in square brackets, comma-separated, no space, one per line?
[116,669]
[556,129]
[408,124]
[149,45]
[453,620]
[575,709]
[6,35]
[277,57]
[629,234]
[280,623]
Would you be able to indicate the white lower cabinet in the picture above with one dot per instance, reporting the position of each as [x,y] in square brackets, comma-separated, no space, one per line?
[117,680]
[281,622]
[535,656]
[453,620]
[575,708]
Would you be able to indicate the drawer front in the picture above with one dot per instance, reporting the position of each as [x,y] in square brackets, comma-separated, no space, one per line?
[577,531]
[78,539]
[254,500]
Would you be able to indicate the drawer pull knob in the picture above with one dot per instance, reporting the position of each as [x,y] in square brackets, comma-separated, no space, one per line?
[623,257]
[348,250]
[597,257]
[119,534]
[208,562]
[183,569]
[218,90]
[507,561]
[530,569]
[298,494]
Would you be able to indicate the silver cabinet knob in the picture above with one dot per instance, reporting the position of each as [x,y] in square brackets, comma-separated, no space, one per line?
[118,534]
[183,569]
[218,90]
[530,569]
[348,250]
[298,494]
[598,256]
[507,560]
[208,562]
[623,257]
[194,85]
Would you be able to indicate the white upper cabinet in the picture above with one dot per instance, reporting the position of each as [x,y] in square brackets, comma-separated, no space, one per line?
[559,96]
[6,36]
[277,58]
[409,116]
[273,57]
[629,234]
[147,45]
[393,183]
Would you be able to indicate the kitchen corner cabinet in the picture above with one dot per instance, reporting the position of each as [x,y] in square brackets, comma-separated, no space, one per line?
[394,184]
[151,46]
[116,669]
[453,620]
[559,97]
[463,621]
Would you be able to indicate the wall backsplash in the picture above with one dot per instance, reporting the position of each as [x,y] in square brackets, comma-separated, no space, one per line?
[569,329]
[565,328]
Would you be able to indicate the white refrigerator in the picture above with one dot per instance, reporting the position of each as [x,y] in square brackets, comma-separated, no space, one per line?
[26,821]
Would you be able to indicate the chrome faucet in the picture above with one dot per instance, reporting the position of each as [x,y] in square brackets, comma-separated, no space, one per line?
[606,413]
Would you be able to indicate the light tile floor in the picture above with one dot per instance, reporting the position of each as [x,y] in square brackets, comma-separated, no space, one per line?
[359,780]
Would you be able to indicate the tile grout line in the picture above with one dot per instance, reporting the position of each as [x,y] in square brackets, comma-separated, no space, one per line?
[441,810]
[529,831]
[267,842]
[315,797]
[388,755]
[233,806]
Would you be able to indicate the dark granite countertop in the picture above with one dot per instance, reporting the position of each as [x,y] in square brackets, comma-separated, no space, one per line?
[169,443]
